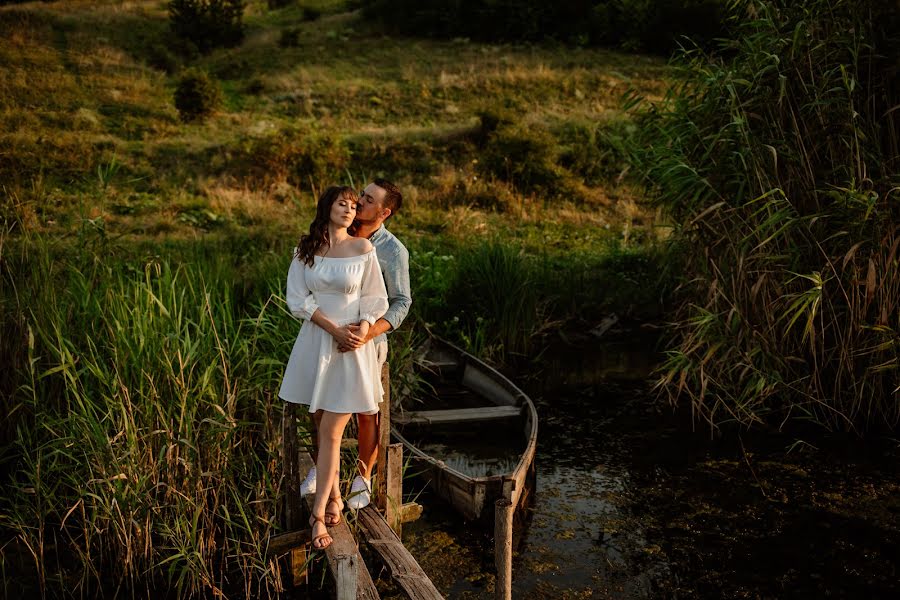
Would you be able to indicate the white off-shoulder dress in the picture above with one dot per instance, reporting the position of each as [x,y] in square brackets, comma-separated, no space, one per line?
[346,290]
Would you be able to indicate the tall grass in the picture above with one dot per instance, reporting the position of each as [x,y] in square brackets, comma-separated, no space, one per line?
[778,159]
[142,426]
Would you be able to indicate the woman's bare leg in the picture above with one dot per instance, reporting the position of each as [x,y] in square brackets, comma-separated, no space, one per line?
[331,430]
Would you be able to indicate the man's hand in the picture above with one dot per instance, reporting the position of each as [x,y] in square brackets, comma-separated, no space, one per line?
[360,331]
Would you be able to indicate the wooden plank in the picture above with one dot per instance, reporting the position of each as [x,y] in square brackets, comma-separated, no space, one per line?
[344,544]
[403,567]
[281,543]
[393,463]
[459,415]
[346,576]
[384,438]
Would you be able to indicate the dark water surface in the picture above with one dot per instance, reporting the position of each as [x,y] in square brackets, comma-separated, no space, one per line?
[631,503]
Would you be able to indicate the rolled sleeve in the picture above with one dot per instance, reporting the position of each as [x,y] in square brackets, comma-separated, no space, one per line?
[396,279]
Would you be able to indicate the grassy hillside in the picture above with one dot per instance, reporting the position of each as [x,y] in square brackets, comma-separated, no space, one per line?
[89,129]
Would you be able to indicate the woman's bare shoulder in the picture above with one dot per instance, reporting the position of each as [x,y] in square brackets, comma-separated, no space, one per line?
[362,245]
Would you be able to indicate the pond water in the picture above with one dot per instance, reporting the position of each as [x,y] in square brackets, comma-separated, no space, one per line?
[630,502]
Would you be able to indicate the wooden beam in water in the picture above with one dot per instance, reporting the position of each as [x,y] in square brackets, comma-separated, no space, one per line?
[403,567]
[344,545]
[459,415]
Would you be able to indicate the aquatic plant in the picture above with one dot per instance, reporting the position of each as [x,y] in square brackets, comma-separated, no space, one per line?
[777,160]
[143,428]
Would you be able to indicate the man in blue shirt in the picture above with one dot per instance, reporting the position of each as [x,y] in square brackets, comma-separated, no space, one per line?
[377,203]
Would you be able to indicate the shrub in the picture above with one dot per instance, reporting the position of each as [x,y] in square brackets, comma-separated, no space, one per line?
[208,23]
[196,96]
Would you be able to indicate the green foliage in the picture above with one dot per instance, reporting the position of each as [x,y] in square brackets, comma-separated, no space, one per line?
[596,152]
[778,161]
[197,95]
[649,25]
[142,424]
[523,155]
[208,24]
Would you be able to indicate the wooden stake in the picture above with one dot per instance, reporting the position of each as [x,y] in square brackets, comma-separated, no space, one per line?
[393,463]
[384,440]
[503,531]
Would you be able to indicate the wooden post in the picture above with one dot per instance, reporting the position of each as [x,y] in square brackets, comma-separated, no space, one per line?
[293,503]
[503,532]
[393,512]
[289,447]
[384,440]
[345,577]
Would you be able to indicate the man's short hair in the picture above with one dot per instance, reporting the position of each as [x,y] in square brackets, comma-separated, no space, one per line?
[393,199]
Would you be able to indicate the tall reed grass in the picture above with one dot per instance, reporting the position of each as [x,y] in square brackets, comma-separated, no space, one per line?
[778,160]
[141,442]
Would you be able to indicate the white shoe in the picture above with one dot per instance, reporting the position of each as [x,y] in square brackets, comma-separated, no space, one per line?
[360,493]
[309,484]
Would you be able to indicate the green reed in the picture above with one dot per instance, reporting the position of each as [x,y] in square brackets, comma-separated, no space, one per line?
[143,429]
[777,159]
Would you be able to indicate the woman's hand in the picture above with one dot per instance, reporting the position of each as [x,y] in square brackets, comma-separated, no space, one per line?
[361,330]
[348,337]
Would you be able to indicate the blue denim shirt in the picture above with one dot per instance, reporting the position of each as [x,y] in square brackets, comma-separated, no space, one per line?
[393,258]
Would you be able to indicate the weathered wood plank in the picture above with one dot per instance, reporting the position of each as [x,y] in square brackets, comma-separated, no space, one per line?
[459,415]
[347,575]
[344,544]
[281,543]
[396,558]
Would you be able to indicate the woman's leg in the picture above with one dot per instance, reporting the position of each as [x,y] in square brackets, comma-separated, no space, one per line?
[331,430]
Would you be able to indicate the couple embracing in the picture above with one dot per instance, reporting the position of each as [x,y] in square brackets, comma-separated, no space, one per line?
[349,282]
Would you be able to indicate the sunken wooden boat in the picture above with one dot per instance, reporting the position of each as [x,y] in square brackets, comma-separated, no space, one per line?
[469,404]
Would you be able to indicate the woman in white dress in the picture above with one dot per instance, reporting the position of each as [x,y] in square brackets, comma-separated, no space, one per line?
[334,281]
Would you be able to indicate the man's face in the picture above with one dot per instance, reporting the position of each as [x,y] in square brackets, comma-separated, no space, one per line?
[371,204]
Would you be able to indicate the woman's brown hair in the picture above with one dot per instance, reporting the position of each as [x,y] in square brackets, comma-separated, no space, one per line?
[318,230]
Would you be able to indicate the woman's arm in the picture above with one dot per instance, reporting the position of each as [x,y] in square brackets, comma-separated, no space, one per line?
[303,305]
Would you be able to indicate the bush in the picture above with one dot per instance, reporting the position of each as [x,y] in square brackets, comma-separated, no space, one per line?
[782,186]
[208,23]
[196,96]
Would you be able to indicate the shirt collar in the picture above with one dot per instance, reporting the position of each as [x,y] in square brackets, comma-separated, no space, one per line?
[377,234]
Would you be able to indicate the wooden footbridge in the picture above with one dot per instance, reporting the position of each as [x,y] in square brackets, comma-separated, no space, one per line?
[378,525]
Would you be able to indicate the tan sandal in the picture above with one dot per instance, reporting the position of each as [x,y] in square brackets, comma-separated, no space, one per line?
[335,517]
[322,545]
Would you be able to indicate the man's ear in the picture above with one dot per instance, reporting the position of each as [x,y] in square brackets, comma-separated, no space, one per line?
[386,212]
